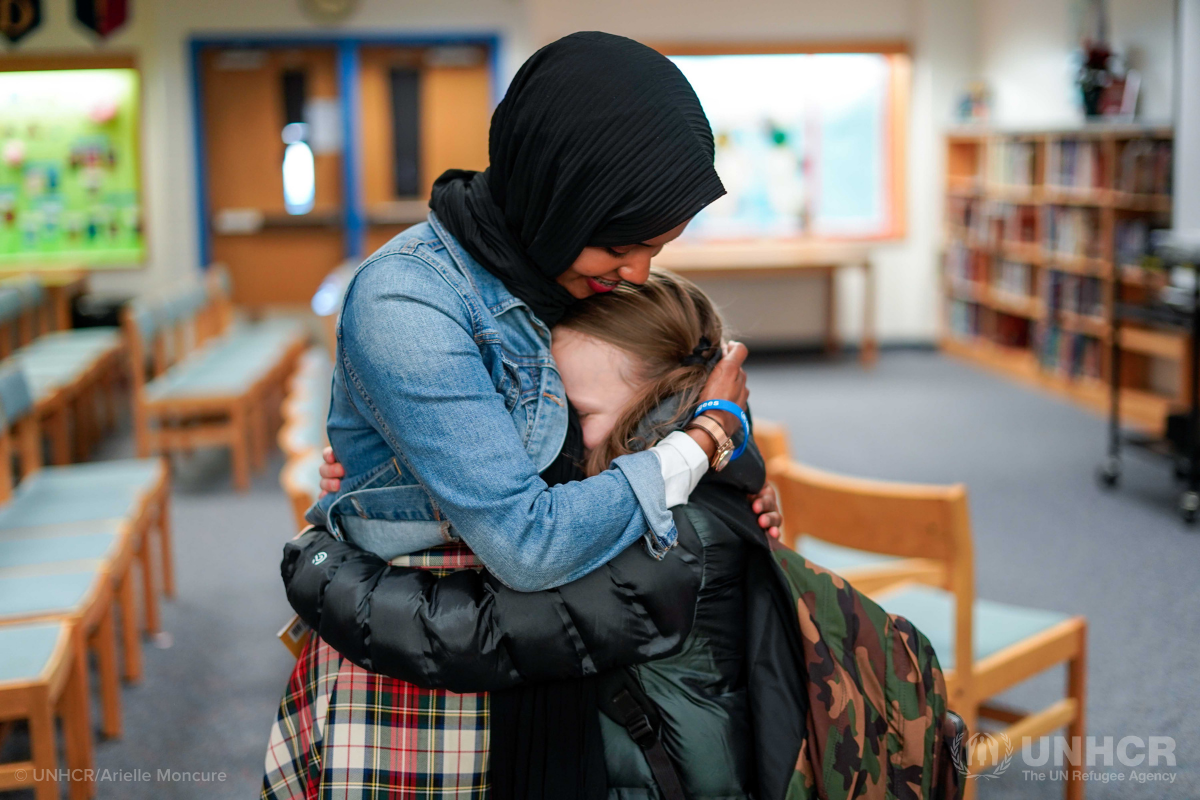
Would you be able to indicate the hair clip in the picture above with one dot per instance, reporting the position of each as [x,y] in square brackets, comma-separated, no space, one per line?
[699,355]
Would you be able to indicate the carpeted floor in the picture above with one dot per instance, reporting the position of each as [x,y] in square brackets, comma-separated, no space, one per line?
[1045,536]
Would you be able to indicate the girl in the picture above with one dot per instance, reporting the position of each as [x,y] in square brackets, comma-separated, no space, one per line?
[634,365]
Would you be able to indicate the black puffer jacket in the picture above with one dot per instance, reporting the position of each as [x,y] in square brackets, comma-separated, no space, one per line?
[679,623]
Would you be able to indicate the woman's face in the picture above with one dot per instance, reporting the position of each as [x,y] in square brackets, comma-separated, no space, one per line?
[599,379]
[601,269]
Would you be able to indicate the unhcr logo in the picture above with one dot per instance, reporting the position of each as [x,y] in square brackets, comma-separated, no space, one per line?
[984,756]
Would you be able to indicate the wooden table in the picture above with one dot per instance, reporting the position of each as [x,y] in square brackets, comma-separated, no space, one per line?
[61,290]
[62,283]
[756,260]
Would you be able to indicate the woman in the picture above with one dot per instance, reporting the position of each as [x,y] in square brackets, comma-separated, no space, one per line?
[446,406]
[751,701]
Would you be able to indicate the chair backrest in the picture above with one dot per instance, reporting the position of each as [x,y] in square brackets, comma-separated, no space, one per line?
[219,285]
[16,396]
[11,303]
[896,519]
[772,440]
[32,307]
[16,409]
[11,306]
[141,315]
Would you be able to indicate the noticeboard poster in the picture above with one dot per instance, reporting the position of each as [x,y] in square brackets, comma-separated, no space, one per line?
[69,169]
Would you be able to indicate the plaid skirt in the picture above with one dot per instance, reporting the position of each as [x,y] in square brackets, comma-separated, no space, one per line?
[343,732]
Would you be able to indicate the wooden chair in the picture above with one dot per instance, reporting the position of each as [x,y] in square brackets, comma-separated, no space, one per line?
[771,439]
[867,571]
[209,382]
[984,647]
[301,480]
[43,676]
[73,373]
[302,436]
[80,594]
[100,514]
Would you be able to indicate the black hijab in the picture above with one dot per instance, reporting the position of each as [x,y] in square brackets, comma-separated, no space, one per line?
[599,141]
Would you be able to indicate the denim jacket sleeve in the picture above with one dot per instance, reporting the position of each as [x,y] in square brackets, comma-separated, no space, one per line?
[413,367]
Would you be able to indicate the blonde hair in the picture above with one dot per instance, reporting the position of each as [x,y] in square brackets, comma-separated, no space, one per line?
[662,326]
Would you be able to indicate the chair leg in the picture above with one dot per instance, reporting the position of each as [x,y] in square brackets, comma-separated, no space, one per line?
[77,728]
[256,428]
[42,746]
[1077,690]
[164,539]
[141,428]
[112,397]
[130,632]
[104,641]
[239,443]
[58,429]
[149,596]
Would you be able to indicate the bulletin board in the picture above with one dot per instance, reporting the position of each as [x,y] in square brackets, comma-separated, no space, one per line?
[70,189]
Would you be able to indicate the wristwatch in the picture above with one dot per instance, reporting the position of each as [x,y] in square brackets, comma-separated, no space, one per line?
[721,439]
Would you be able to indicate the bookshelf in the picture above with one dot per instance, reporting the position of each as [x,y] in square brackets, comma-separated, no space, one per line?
[1039,225]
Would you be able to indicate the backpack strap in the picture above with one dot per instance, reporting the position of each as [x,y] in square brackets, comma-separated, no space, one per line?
[635,719]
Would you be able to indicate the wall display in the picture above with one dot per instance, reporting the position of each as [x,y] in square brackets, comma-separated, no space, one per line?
[102,16]
[801,143]
[19,17]
[69,177]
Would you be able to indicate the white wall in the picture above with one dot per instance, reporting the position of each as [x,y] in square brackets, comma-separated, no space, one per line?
[1021,46]
[1187,149]
[1026,47]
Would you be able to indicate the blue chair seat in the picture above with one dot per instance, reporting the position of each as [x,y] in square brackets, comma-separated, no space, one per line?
[836,558]
[61,593]
[304,472]
[93,339]
[138,473]
[26,650]
[996,625]
[49,503]
[30,552]
[199,380]
[302,436]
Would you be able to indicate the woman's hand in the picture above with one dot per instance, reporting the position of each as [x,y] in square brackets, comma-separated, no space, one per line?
[727,381]
[332,473]
[766,505]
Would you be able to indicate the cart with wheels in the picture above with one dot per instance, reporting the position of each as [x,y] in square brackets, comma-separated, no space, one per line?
[1179,312]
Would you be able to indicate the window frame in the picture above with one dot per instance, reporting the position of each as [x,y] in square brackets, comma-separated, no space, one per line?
[899,97]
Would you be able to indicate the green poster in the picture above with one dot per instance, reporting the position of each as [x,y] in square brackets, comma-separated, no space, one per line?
[69,182]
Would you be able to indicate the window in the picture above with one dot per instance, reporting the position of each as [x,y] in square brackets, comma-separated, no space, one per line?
[806,143]
[299,170]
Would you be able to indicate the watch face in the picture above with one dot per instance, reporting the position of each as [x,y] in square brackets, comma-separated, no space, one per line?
[721,458]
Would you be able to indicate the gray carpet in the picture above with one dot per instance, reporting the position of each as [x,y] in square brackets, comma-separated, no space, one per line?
[1045,535]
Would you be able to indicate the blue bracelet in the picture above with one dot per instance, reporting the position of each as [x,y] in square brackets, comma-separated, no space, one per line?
[732,408]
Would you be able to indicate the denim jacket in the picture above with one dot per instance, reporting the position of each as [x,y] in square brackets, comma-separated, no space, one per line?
[446,404]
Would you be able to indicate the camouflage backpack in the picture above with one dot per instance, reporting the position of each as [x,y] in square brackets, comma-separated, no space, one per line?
[871,697]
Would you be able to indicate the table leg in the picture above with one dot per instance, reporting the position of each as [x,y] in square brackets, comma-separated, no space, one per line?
[60,302]
[832,345]
[869,350]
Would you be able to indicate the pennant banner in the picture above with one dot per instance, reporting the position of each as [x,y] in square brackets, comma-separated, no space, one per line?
[102,16]
[19,17]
